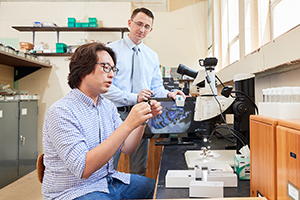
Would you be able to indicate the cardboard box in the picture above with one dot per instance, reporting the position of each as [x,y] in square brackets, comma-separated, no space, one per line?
[242,166]
[26,45]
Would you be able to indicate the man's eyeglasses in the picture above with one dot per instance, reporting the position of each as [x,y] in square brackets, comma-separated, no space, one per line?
[107,68]
[147,27]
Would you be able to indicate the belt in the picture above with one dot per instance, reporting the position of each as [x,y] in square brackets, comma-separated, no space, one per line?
[124,108]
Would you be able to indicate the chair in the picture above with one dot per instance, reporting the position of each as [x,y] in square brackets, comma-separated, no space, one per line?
[40,167]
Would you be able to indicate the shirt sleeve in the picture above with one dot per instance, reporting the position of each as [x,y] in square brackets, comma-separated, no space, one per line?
[64,131]
[122,97]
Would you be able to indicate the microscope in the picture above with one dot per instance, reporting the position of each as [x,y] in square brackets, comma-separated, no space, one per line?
[210,108]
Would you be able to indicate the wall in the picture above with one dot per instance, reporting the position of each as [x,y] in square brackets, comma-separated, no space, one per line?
[274,64]
[51,84]
[6,75]
[178,37]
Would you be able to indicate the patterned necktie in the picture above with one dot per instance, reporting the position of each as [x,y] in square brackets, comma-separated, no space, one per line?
[136,76]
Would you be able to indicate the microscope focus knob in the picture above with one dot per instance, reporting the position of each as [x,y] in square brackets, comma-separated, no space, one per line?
[239,108]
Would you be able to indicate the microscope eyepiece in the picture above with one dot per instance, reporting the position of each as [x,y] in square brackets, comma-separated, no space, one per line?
[183,70]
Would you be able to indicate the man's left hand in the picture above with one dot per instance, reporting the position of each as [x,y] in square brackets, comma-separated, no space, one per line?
[177,92]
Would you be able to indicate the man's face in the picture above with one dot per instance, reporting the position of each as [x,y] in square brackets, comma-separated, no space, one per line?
[140,27]
[99,81]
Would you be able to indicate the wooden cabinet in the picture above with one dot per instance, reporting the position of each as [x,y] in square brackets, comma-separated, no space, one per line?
[288,151]
[263,156]
[275,150]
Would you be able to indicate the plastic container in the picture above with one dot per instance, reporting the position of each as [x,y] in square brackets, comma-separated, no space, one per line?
[85,24]
[71,20]
[296,94]
[92,20]
[70,24]
[78,24]
[264,95]
[93,25]
[278,95]
[61,48]
[287,94]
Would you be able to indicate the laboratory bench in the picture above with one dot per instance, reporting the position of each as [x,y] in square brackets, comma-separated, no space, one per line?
[173,158]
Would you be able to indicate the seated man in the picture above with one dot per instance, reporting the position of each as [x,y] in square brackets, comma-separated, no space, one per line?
[83,130]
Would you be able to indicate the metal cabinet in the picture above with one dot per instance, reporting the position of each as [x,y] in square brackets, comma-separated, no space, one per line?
[18,139]
[8,142]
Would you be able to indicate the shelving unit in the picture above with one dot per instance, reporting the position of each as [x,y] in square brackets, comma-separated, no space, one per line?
[23,66]
[69,29]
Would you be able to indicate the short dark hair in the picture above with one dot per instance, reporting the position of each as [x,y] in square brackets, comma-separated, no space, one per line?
[143,10]
[83,62]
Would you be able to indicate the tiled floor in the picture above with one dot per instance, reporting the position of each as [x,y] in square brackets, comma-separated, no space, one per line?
[26,188]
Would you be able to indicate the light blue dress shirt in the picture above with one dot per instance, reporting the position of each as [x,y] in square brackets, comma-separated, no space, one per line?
[73,126]
[120,90]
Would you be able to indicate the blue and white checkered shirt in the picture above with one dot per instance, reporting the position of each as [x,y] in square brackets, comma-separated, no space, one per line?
[73,126]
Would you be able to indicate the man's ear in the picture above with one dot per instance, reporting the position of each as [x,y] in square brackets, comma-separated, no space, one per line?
[129,23]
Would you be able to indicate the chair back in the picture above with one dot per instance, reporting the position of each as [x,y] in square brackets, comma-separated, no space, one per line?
[40,167]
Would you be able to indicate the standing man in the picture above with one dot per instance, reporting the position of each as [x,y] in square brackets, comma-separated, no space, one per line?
[83,130]
[138,80]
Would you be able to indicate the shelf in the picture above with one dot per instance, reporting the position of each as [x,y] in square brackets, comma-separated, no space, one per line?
[53,54]
[23,66]
[72,29]
[69,29]
[18,61]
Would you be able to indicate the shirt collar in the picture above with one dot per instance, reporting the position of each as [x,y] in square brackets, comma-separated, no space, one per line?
[131,44]
[86,99]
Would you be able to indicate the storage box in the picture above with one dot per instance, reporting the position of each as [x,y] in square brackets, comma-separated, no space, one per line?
[242,166]
[229,180]
[70,24]
[85,24]
[219,169]
[206,189]
[93,25]
[78,24]
[179,178]
[71,20]
[61,48]
[26,45]
[93,20]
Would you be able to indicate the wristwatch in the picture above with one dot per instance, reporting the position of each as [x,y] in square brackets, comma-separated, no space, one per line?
[145,122]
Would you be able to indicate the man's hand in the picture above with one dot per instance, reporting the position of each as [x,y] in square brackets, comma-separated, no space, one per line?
[156,108]
[177,92]
[144,95]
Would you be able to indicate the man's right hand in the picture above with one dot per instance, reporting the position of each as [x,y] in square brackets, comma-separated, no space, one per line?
[144,95]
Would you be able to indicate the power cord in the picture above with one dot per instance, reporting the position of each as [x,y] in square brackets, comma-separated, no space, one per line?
[238,136]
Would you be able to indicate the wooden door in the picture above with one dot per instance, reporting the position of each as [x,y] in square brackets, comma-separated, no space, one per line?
[263,157]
